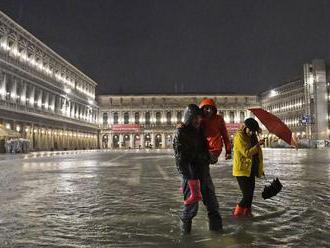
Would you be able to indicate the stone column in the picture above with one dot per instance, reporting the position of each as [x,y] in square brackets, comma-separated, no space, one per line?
[163,141]
[23,94]
[110,141]
[13,92]
[142,140]
[39,99]
[52,103]
[3,83]
[31,97]
[46,103]
[131,140]
[153,140]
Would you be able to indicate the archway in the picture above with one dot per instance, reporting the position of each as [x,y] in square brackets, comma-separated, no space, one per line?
[105,139]
[147,141]
[168,141]
[126,141]
[158,141]
[137,141]
[115,141]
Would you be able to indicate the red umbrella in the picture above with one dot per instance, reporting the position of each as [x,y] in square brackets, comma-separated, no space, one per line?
[275,125]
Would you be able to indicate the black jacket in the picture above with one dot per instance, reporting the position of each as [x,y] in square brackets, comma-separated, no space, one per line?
[190,147]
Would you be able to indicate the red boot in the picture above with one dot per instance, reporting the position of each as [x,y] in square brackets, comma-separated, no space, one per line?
[195,192]
[239,211]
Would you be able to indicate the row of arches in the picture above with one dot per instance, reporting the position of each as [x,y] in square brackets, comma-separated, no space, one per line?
[137,141]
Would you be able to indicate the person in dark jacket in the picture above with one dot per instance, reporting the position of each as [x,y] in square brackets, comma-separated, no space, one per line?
[192,161]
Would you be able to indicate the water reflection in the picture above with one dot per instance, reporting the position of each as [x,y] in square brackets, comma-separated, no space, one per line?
[102,199]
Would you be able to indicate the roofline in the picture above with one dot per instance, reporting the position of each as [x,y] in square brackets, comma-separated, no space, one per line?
[174,95]
[40,43]
[283,84]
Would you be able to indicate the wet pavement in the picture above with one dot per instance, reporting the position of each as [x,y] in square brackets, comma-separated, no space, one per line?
[112,199]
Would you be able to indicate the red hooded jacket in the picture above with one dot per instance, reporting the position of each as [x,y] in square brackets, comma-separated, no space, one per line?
[215,130]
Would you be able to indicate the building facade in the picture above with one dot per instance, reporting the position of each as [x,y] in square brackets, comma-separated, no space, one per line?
[303,104]
[149,121]
[42,96]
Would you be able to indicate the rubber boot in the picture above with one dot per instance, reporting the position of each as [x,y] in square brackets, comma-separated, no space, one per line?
[215,223]
[195,192]
[248,213]
[239,211]
[185,226]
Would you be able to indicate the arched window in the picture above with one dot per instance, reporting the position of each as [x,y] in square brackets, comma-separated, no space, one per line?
[115,118]
[126,118]
[105,119]
[168,118]
[179,116]
[158,118]
[231,117]
[241,117]
[147,117]
[137,118]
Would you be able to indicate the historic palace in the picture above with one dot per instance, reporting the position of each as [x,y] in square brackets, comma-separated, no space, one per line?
[42,96]
[48,101]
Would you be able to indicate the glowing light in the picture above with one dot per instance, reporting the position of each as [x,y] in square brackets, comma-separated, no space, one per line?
[273,93]
[4,46]
[67,90]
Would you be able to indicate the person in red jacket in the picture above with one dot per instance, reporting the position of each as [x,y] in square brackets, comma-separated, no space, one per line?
[215,130]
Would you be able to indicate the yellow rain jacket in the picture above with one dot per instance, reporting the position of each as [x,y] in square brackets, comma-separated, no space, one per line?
[243,152]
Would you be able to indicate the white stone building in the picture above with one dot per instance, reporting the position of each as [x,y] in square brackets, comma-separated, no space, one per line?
[42,96]
[131,121]
[303,104]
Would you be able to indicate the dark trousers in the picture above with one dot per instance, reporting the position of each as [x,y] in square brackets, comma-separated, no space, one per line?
[209,199]
[246,185]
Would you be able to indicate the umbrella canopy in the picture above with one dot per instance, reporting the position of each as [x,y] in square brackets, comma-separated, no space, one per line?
[275,125]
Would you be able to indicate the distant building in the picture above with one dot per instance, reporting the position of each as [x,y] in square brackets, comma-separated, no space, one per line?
[131,121]
[50,102]
[42,96]
[303,104]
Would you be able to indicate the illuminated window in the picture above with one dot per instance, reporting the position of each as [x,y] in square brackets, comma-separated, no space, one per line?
[168,118]
[179,116]
[147,117]
[115,118]
[105,118]
[158,118]
[137,118]
[126,118]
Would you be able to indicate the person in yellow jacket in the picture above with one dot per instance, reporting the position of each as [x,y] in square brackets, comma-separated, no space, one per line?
[247,164]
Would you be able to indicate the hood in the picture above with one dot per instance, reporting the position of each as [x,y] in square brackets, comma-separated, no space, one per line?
[208,102]
[190,112]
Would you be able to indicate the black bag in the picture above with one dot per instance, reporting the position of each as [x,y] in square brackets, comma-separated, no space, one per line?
[273,189]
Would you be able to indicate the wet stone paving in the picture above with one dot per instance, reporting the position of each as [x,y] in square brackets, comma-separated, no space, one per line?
[132,199]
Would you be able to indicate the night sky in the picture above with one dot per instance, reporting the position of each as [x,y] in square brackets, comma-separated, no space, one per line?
[140,46]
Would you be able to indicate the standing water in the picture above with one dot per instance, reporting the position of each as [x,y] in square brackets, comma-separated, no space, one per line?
[103,199]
